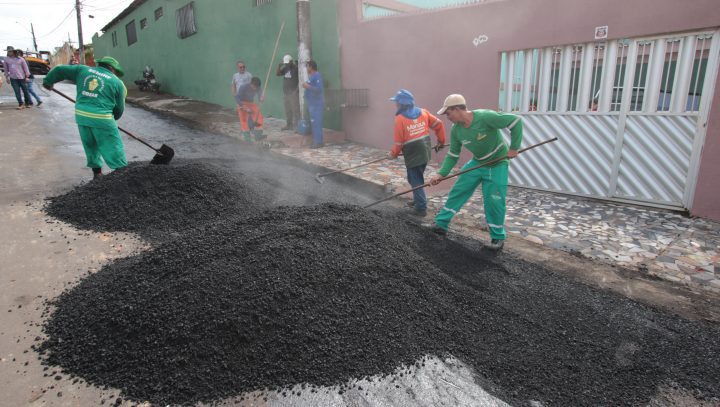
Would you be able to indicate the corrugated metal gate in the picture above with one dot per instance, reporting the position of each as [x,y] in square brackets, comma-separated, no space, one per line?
[630,115]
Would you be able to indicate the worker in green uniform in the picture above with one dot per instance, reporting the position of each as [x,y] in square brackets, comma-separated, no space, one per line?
[479,132]
[99,103]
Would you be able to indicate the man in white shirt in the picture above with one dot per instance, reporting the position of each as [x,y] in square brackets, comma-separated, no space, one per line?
[241,77]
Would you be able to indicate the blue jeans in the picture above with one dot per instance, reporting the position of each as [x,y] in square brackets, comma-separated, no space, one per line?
[416,177]
[31,90]
[316,122]
[18,84]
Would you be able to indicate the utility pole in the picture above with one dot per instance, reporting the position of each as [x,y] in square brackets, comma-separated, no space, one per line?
[32,30]
[81,48]
[304,39]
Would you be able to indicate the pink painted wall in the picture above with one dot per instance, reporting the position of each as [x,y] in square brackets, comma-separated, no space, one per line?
[707,192]
[432,54]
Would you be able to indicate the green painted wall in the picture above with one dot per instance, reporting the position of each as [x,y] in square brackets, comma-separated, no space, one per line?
[201,66]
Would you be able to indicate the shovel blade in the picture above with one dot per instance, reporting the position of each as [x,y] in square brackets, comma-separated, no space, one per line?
[164,155]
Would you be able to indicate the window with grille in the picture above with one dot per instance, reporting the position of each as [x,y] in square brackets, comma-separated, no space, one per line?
[143,23]
[650,75]
[114,39]
[261,2]
[131,33]
[158,13]
[185,20]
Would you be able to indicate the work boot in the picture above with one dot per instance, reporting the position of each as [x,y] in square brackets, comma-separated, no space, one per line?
[246,137]
[97,173]
[259,135]
[420,213]
[435,229]
[496,245]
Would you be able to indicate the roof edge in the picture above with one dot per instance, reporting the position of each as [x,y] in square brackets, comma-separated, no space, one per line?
[129,9]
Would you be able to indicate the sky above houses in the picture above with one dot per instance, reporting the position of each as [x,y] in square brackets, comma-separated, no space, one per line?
[53,21]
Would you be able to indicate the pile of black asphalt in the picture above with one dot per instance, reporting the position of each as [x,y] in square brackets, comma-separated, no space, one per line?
[158,201]
[268,297]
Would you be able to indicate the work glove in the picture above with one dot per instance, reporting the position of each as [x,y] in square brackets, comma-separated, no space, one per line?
[438,147]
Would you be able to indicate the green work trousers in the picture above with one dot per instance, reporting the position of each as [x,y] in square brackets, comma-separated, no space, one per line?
[102,144]
[494,182]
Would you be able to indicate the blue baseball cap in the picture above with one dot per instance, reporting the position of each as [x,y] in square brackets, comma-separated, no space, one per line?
[404,97]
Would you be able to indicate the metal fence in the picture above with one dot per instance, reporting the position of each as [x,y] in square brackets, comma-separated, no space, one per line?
[629,113]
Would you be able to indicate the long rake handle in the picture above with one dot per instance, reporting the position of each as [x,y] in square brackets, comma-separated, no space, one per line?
[427,184]
[352,168]
[361,165]
[272,61]
[119,128]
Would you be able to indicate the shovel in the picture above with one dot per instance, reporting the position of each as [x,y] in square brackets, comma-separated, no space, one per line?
[164,153]
[427,184]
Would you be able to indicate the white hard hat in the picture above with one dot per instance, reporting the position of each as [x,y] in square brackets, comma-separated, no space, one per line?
[287,59]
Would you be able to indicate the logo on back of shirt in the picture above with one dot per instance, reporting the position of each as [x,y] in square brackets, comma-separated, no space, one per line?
[91,85]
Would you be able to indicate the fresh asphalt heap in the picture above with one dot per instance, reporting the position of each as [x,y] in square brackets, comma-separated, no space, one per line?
[157,201]
[240,300]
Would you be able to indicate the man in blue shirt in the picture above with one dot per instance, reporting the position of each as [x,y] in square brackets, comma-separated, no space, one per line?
[315,102]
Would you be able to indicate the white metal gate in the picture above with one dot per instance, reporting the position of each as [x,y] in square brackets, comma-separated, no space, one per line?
[630,115]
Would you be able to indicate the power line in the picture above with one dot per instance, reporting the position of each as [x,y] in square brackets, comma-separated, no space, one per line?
[105,7]
[59,25]
[24,3]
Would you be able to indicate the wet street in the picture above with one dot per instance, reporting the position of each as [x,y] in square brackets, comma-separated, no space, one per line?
[540,329]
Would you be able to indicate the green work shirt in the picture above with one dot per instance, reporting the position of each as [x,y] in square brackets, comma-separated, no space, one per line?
[100,94]
[483,138]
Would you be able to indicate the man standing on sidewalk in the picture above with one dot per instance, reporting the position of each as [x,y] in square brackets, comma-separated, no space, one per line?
[18,73]
[479,132]
[99,103]
[315,102]
[241,77]
[289,70]
[412,138]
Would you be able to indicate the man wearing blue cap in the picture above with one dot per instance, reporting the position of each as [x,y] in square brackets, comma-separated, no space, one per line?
[412,138]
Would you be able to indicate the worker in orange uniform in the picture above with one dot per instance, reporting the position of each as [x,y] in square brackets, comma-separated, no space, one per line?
[412,138]
[251,119]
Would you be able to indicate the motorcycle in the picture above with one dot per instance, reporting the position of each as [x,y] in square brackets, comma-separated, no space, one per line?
[148,82]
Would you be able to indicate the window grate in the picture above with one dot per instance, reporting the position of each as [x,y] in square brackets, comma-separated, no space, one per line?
[628,75]
[143,23]
[257,3]
[158,13]
[114,39]
[131,33]
[346,98]
[185,20]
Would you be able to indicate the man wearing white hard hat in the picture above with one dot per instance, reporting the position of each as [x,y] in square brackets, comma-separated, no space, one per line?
[479,132]
[288,69]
